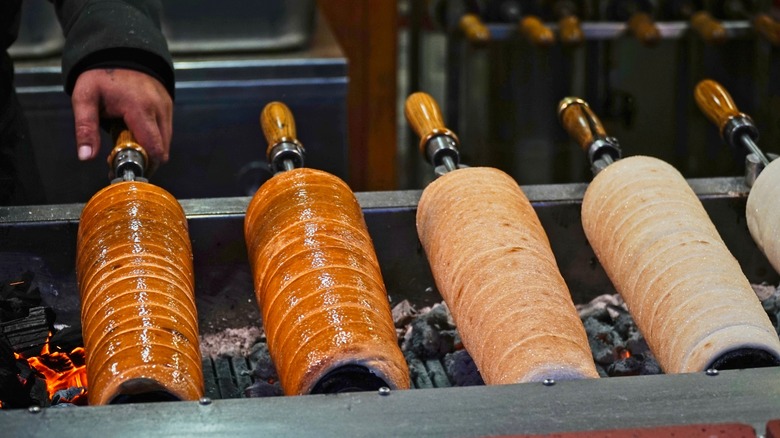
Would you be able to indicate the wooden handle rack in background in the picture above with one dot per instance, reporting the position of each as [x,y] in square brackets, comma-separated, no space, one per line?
[570,31]
[474,29]
[708,28]
[768,28]
[438,144]
[532,28]
[735,127]
[643,28]
[284,150]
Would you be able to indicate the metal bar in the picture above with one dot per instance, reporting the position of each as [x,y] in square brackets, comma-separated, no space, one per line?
[614,30]
[748,396]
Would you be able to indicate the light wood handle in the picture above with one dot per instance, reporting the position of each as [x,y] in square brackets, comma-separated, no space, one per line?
[474,29]
[536,32]
[278,124]
[768,28]
[708,28]
[580,122]
[570,31]
[715,102]
[642,26]
[424,115]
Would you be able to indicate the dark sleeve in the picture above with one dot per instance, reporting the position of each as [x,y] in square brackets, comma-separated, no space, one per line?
[113,34]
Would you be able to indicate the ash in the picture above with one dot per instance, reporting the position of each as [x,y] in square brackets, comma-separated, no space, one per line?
[230,342]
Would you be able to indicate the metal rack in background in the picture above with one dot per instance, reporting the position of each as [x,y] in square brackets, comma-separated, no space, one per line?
[500,95]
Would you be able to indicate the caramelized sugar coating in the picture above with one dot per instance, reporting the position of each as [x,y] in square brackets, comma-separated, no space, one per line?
[494,267]
[318,282]
[134,267]
[685,290]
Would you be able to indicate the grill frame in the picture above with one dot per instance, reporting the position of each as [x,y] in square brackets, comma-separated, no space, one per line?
[43,238]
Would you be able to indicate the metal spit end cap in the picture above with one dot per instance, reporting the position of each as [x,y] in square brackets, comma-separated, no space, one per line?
[567,101]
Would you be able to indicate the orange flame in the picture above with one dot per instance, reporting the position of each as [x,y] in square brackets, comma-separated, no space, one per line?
[625,354]
[61,370]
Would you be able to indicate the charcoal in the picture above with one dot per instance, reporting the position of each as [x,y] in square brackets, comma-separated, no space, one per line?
[403,313]
[437,373]
[637,345]
[439,317]
[261,363]
[624,324]
[28,334]
[603,353]
[17,296]
[597,328]
[649,366]
[262,388]
[764,291]
[426,341]
[13,392]
[462,369]
[417,371]
[630,366]
[225,379]
[67,339]
[66,396]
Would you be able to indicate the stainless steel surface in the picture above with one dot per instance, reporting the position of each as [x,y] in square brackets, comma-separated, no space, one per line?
[751,397]
[40,34]
[237,26]
[218,148]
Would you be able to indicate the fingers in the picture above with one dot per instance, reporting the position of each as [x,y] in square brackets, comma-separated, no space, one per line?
[147,133]
[87,122]
[139,100]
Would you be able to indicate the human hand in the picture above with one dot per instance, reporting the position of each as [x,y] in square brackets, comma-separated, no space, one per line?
[135,97]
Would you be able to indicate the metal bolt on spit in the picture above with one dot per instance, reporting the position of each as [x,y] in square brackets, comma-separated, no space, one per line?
[384,390]
[548,382]
[712,372]
[34,409]
[204,401]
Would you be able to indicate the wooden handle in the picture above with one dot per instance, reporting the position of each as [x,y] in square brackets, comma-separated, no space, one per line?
[474,29]
[278,124]
[423,113]
[537,33]
[768,28]
[710,29]
[124,139]
[570,31]
[715,102]
[642,26]
[580,122]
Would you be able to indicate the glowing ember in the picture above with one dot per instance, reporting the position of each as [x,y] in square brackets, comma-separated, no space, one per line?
[62,371]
